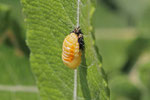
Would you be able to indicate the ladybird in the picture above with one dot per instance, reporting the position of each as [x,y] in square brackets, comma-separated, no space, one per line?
[73,46]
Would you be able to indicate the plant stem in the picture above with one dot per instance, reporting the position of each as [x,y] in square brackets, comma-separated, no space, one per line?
[75,85]
[75,71]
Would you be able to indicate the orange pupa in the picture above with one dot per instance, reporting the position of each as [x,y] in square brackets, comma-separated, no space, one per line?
[72,48]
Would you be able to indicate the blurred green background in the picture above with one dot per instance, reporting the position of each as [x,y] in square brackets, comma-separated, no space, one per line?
[122,31]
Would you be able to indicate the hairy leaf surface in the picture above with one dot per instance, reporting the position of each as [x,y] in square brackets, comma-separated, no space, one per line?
[48,23]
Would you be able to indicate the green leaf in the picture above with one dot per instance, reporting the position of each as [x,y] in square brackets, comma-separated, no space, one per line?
[123,89]
[14,69]
[48,23]
[4,17]
[137,10]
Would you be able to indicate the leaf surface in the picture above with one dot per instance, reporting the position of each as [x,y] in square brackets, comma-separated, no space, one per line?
[48,23]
